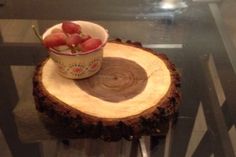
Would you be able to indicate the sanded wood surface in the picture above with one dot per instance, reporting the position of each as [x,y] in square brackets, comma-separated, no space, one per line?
[130,82]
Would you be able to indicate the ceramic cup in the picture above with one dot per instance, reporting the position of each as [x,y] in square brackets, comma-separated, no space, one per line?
[78,66]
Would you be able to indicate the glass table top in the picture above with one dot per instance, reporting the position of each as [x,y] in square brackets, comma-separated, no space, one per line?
[199,38]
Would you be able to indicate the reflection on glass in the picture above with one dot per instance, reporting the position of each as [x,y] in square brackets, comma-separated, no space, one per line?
[172,4]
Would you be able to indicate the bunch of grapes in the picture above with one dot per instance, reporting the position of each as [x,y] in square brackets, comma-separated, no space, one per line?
[70,37]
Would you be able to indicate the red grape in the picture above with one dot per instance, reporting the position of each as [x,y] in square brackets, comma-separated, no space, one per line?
[73,40]
[55,39]
[90,44]
[70,27]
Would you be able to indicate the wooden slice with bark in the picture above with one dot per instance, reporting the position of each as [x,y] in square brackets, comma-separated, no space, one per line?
[135,93]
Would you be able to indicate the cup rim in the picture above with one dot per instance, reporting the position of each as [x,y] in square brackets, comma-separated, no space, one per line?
[87,52]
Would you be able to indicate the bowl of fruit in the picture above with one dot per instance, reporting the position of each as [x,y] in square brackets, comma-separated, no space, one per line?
[76,47]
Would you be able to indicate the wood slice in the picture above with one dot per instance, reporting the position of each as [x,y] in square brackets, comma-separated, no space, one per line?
[135,93]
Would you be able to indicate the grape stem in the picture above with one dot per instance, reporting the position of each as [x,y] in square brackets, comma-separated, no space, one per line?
[40,38]
[37,33]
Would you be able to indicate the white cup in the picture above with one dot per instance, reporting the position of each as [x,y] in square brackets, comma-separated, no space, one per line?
[77,65]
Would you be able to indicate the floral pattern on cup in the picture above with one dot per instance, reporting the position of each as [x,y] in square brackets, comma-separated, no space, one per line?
[76,69]
[61,66]
[94,65]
